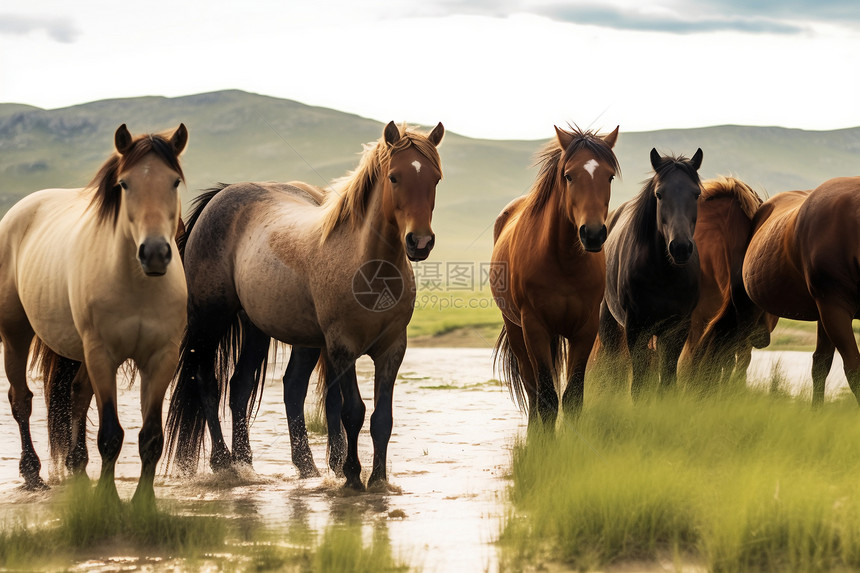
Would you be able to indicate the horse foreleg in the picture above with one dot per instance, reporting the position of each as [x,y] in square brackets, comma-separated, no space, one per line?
[539,345]
[578,351]
[336,434]
[155,377]
[339,371]
[822,361]
[255,348]
[102,373]
[382,419]
[669,346]
[16,351]
[296,378]
[637,346]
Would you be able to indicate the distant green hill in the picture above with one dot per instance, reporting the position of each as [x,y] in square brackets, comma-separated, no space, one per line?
[241,136]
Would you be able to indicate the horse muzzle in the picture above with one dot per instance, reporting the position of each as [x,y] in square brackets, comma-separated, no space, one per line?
[592,237]
[680,251]
[154,255]
[418,247]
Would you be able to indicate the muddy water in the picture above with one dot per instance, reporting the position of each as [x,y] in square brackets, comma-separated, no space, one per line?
[448,459]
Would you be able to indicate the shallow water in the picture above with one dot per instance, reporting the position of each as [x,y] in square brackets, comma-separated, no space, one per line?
[448,459]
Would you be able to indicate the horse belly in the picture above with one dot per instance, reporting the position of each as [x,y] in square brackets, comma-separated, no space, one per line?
[281,305]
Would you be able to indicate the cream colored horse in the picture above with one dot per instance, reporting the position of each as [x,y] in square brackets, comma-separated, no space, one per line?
[92,273]
[334,276]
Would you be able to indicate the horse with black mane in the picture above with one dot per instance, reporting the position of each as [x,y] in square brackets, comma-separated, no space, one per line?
[652,269]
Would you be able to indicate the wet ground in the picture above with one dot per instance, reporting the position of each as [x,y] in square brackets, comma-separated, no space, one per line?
[454,428]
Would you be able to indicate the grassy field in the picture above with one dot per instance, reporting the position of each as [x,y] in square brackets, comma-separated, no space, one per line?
[741,481]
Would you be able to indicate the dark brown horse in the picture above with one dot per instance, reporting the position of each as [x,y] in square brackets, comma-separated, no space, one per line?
[802,263]
[725,325]
[549,272]
[334,276]
[652,268]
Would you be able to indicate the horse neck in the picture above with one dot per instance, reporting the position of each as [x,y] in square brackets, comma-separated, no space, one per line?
[378,238]
[555,232]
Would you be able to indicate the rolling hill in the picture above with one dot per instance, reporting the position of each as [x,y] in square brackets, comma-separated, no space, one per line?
[236,136]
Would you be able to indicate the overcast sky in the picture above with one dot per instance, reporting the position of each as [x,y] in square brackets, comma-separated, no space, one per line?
[499,69]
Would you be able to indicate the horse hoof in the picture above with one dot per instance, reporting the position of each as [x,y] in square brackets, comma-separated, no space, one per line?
[306,472]
[35,484]
[354,484]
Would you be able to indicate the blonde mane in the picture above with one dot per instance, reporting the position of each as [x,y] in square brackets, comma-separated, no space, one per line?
[349,196]
[722,186]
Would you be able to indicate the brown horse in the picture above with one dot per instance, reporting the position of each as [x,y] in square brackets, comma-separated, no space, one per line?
[91,273]
[334,276]
[725,325]
[549,272]
[802,263]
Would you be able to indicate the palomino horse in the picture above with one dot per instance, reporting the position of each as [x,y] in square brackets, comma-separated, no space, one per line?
[549,272]
[801,263]
[725,325]
[335,277]
[652,268]
[90,272]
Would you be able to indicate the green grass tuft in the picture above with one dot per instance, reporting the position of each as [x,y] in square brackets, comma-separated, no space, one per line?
[739,481]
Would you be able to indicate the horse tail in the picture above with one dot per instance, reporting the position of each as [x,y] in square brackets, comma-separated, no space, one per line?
[505,363]
[186,419]
[58,373]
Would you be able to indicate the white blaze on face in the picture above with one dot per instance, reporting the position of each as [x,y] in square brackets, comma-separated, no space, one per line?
[590,166]
[417,165]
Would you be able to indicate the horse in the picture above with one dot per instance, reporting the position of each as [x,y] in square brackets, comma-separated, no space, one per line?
[801,264]
[548,272]
[652,268]
[90,272]
[725,325]
[334,277]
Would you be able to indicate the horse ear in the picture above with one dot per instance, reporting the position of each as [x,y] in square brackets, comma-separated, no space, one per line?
[612,137]
[564,138]
[179,138]
[697,158]
[435,136]
[655,159]
[391,133]
[122,139]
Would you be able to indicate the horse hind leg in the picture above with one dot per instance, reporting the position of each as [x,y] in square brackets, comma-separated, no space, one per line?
[822,361]
[16,352]
[245,382]
[836,324]
[302,363]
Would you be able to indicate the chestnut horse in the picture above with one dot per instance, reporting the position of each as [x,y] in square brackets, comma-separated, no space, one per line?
[90,272]
[549,272]
[725,325]
[335,277]
[652,268]
[802,263]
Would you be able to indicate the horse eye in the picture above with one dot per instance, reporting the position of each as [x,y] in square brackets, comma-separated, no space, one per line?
[392,178]
[611,178]
[176,184]
[567,177]
[123,184]
[659,195]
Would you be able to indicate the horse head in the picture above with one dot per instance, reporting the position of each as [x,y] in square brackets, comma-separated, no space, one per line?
[676,189]
[409,186]
[148,175]
[585,173]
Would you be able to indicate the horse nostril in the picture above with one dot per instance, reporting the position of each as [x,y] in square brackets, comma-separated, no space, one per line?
[410,241]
